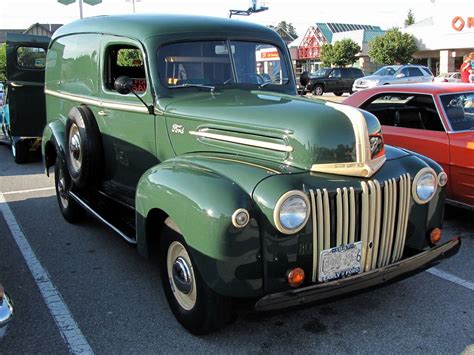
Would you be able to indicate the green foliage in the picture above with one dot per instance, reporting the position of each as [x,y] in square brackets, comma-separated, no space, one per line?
[393,48]
[327,54]
[3,62]
[287,27]
[340,54]
[129,57]
[410,20]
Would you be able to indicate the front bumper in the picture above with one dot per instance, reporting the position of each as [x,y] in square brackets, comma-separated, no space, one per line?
[377,277]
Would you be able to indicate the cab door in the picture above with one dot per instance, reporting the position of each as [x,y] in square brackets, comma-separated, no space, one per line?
[26,61]
[127,128]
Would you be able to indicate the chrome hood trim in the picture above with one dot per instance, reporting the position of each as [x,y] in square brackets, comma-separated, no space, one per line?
[364,166]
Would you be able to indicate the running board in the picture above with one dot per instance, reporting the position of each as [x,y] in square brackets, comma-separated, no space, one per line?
[100,218]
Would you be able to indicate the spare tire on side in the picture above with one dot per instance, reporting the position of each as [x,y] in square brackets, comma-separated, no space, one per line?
[83,147]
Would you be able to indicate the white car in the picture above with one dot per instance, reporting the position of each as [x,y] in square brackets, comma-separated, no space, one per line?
[454,77]
[394,74]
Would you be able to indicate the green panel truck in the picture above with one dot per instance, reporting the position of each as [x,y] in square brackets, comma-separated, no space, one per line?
[186,136]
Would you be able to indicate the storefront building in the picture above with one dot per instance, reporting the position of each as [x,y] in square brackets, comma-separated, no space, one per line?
[444,38]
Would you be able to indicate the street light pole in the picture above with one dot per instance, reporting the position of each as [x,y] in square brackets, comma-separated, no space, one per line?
[80,9]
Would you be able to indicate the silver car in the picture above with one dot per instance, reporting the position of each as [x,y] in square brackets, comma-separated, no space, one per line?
[394,74]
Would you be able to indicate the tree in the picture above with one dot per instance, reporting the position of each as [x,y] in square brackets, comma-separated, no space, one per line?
[287,27]
[410,20]
[393,48]
[342,53]
[3,63]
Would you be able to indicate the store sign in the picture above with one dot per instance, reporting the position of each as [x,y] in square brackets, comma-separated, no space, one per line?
[459,23]
[270,55]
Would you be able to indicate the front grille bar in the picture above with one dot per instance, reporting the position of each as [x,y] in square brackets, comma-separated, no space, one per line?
[381,211]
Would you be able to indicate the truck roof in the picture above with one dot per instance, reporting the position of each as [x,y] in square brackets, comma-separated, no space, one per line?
[144,26]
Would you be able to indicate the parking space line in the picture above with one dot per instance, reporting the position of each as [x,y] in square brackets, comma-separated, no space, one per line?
[28,191]
[450,277]
[68,328]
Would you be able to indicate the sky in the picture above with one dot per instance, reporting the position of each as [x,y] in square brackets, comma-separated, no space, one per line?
[301,13]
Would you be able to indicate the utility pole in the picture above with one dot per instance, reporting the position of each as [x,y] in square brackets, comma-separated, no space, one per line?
[80,9]
[133,3]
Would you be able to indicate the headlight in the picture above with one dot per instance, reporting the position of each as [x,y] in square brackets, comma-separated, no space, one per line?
[291,212]
[424,186]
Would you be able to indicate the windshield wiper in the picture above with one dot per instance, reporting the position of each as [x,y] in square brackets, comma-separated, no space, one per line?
[212,88]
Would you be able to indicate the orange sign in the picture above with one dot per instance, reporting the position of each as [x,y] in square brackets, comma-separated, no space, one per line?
[270,55]
[459,23]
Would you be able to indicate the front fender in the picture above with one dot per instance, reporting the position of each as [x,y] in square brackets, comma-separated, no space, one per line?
[201,202]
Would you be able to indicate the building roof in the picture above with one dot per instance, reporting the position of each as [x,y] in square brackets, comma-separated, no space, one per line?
[371,34]
[423,23]
[328,28]
[50,27]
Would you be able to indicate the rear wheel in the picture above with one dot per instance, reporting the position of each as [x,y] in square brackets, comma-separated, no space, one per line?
[71,211]
[83,147]
[198,308]
[318,90]
[20,151]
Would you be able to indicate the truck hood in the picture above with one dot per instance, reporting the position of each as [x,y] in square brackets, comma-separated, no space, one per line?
[306,134]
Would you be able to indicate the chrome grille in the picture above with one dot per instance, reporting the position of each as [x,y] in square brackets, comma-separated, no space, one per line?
[380,210]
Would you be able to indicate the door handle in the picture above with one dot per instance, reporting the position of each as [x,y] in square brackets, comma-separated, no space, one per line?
[16,85]
[103,113]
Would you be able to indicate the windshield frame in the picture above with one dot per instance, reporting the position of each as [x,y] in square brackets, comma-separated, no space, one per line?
[451,129]
[287,86]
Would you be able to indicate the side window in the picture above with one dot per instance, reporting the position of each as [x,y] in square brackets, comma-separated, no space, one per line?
[405,72]
[31,57]
[405,110]
[414,72]
[346,73]
[125,60]
[336,73]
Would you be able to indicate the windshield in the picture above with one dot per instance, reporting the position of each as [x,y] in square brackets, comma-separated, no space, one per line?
[322,72]
[211,63]
[385,71]
[460,110]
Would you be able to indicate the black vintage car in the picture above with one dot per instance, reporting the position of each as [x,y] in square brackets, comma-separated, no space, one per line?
[24,113]
[336,80]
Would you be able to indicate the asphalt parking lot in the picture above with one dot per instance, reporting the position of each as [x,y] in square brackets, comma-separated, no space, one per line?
[113,302]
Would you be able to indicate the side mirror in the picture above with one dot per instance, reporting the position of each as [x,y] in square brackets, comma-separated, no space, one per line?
[304,78]
[401,75]
[123,85]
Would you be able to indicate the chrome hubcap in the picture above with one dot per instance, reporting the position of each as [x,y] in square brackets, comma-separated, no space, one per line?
[181,275]
[62,189]
[75,147]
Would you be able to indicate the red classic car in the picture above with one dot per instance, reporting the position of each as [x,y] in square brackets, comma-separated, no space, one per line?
[436,120]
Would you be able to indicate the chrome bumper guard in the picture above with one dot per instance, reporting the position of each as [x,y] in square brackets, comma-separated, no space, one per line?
[376,277]
[6,313]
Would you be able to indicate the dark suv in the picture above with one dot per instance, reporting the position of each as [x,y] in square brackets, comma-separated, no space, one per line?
[336,80]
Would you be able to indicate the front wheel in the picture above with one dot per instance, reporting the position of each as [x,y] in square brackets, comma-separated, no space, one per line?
[318,90]
[198,308]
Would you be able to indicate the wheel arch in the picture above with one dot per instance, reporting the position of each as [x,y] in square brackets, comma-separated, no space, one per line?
[201,203]
[53,144]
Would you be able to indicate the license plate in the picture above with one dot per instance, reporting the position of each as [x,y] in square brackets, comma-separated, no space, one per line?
[339,262]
